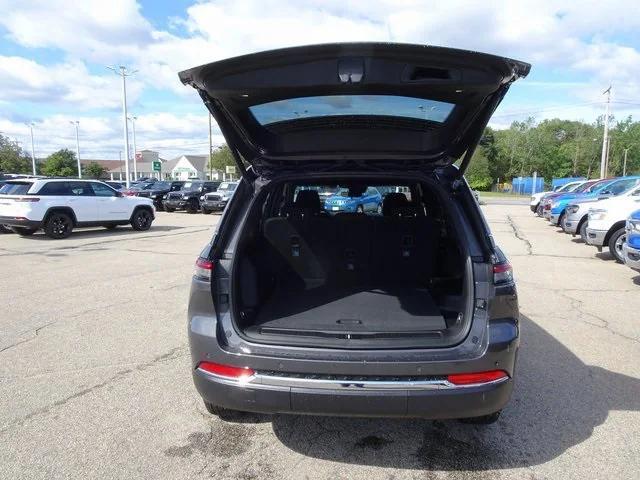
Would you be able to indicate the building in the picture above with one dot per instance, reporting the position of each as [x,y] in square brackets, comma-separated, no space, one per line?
[143,167]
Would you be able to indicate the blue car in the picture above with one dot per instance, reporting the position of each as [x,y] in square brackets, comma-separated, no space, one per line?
[631,249]
[346,201]
[603,190]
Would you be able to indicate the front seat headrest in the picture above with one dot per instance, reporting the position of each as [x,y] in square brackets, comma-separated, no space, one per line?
[308,200]
[393,203]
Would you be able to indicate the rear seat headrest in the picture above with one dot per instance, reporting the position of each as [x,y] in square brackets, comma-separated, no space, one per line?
[308,200]
[394,203]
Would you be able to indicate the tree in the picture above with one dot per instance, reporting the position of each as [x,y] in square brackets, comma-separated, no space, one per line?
[477,173]
[12,158]
[221,157]
[60,164]
[94,170]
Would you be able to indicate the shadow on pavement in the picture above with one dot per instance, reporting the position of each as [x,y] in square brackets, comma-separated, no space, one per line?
[103,232]
[557,403]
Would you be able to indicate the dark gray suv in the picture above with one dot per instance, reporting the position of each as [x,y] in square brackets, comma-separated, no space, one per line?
[409,310]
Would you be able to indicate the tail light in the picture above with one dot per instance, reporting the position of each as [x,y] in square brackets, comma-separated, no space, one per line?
[502,273]
[477,378]
[227,371]
[26,199]
[203,269]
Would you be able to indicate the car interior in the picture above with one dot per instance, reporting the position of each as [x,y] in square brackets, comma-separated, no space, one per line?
[307,275]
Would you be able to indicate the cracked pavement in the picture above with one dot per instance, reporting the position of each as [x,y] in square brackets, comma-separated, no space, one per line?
[95,382]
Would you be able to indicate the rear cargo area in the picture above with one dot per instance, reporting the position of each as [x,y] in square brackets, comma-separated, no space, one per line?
[305,276]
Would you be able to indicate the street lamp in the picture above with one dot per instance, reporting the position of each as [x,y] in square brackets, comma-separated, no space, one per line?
[122,72]
[135,165]
[33,150]
[77,124]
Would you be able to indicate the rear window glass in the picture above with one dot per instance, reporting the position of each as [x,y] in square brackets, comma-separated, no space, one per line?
[15,188]
[364,199]
[331,105]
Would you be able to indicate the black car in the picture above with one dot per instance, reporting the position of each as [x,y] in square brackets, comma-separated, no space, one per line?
[157,191]
[188,198]
[411,312]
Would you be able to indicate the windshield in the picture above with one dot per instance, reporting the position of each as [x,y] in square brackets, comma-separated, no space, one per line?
[15,188]
[361,105]
[230,187]
[569,187]
[598,187]
[192,186]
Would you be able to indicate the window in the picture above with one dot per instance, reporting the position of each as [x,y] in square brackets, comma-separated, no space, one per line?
[80,189]
[619,187]
[101,190]
[15,188]
[362,105]
[55,188]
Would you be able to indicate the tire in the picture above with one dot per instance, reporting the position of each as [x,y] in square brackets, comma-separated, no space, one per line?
[169,209]
[192,207]
[616,240]
[141,219]
[583,231]
[205,211]
[225,413]
[562,222]
[24,231]
[58,225]
[359,209]
[5,229]
[482,420]
[539,210]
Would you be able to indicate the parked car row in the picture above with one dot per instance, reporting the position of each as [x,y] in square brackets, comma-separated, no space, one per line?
[199,195]
[604,213]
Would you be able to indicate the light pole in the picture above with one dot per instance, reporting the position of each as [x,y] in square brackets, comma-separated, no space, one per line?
[605,137]
[33,150]
[624,165]
[135,164]
[77,123]
[122,72]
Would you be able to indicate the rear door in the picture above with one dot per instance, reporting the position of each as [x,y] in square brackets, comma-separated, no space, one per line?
[358,104]
[80,197]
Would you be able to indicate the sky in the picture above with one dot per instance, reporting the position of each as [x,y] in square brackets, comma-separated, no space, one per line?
[54,53]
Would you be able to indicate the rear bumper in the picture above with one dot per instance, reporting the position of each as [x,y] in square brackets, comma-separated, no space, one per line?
[631,256]
[457,402]
[596,237]
[20,222]
[533,207]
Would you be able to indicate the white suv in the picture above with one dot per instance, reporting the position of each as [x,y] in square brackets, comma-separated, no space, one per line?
[60,205]
[606,223]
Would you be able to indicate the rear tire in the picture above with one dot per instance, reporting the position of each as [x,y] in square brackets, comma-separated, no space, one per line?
[141,219]
[24,231]
[5,229]
[482,420]
[58,226]
[561,220]
[205,211]
[539,210]
[169,209]
[616,241]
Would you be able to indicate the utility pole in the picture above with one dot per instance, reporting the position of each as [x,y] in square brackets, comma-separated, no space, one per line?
[33,150]
[624,165]
[605,138]
[210,151]
[122,72]
[135,151]
[77,123]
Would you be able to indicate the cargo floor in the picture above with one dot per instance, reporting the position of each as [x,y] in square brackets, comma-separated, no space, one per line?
[326,311]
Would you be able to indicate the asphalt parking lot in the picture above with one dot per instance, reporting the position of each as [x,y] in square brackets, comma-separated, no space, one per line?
[95,378]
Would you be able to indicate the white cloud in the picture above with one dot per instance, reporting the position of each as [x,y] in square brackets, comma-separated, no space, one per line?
[66,84]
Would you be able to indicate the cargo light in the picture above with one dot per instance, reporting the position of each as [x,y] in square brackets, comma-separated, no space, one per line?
[477,378]
[226,371]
